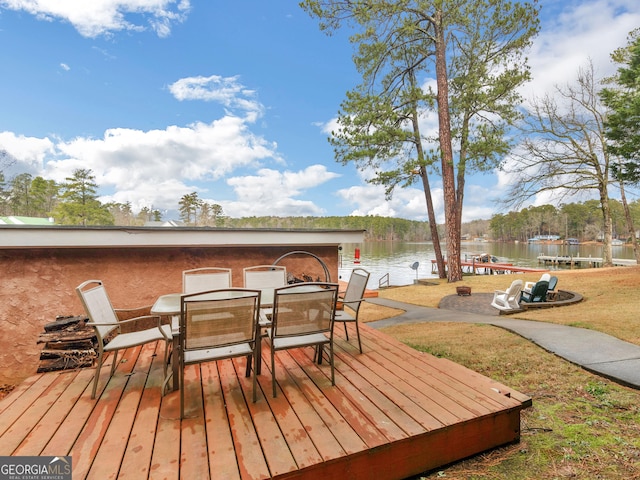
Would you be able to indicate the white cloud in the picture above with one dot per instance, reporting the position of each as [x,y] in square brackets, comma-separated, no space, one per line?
[272,192]
[405,203]
[29,152]
[93,18]
[65,67]
[224,90]
[577,33]
[127,158]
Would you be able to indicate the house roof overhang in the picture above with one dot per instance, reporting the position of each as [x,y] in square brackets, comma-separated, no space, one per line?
[12,237]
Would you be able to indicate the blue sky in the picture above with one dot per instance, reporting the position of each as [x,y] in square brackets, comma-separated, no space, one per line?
[231,99]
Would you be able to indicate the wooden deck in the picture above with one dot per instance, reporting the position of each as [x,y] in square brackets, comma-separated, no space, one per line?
[393,413]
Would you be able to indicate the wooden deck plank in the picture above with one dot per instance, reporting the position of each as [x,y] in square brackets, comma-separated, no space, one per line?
[251,461]
[425,377]
[321,436]
[475,387]
[83,449]
[136,463]
[311,380]
[22,401]
[15,434]
[381,379]
[300,444]
[17,393]
[115,443]
[394,412]
[347,402]
[194,461]
[277,453]
[111,450]
[41,434]
[222,454]
[165,461]
[374,389]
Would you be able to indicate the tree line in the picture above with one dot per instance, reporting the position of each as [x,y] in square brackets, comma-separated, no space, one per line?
[75,202]
[72,202]
[572,220]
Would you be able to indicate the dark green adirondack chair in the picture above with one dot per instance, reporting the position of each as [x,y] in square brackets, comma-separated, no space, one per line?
[538,293]
[552,294]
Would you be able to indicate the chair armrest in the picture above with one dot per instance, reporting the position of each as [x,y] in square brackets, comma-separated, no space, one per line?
[129,324]
[357,300]
[264,320]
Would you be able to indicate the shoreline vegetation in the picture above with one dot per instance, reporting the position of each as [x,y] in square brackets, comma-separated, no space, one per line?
[580,425]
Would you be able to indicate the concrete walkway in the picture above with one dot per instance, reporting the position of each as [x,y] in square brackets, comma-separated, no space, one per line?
[597,352]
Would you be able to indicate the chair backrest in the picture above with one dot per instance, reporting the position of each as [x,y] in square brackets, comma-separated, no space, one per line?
[96,303]
[515,288]
[206,278]
[545,277]
[218,318]
[355,288]
[539,291]
[303,309]
[553,281]
[265,276]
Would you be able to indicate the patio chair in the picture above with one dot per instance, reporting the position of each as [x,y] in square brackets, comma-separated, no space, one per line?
[265,278]
[352,298]
[537,294]
[508,299]
[303,318]
[545,277]
[217,325]
[206,278]
[552,294]
[104,319]
[201,280]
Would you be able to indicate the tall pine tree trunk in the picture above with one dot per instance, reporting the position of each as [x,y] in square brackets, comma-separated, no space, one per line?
[454,267]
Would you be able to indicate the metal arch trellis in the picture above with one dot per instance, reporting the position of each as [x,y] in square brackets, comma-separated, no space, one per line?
[303,252]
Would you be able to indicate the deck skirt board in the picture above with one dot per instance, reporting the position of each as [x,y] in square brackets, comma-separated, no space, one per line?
[393,411]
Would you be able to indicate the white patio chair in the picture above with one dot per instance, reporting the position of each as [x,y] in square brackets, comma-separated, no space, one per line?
[265,278]
[352,298]
[216,325]
[508,299]
[201,280]
[104,319]
[303,318]
[206,278]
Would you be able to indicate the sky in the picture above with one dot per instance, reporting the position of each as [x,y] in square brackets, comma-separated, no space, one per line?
[233,100]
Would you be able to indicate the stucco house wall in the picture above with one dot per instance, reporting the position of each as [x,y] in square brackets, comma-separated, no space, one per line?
[39,278]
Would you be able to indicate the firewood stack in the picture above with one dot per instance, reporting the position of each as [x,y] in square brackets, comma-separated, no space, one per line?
[68,343]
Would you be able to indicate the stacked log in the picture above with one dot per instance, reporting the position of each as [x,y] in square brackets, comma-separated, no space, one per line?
[68,344]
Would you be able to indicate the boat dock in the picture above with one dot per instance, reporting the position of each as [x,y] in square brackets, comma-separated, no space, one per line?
[581,262]
[488,268]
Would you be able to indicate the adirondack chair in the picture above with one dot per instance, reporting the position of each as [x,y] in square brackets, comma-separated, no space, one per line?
[508,299]
[538,293]
[529,285]
[552,294]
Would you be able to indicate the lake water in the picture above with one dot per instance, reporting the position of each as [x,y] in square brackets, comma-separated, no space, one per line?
[395,259]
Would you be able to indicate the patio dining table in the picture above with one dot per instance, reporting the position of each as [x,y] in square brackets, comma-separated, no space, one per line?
[169,305]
